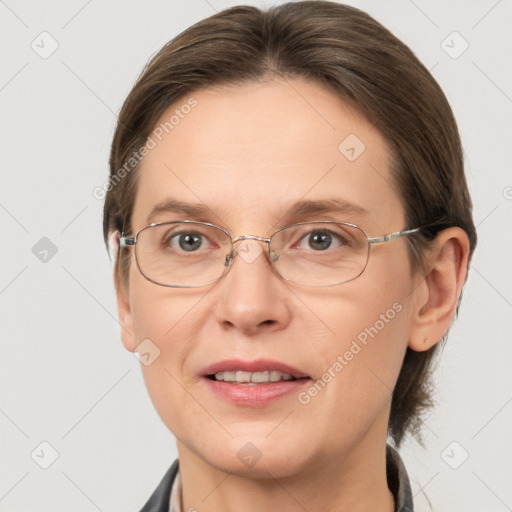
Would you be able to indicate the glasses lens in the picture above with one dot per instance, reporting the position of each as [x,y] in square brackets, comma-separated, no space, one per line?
[182,253]
[320,253]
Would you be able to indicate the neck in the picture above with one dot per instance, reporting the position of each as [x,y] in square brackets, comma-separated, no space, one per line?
[354,480]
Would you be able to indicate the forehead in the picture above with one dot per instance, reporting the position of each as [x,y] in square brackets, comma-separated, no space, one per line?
[248,152]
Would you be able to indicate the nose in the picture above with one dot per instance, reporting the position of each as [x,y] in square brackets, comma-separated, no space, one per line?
[253,298]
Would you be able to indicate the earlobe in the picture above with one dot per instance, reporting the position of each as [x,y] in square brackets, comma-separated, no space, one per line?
[438,295]
[125,315]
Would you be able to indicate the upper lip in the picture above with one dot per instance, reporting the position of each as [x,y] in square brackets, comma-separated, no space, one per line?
[259,365]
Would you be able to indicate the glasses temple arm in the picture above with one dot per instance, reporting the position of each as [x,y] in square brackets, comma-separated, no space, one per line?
[391,236]
[125,241]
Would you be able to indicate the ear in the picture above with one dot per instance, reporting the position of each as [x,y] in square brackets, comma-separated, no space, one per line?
[438,295]
[125,314]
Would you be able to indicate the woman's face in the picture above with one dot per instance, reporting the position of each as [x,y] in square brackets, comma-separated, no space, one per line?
[247,153]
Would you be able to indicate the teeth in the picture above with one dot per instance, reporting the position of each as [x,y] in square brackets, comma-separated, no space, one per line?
[252,377]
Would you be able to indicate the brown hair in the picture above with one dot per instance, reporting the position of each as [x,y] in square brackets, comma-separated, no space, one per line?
[350,52]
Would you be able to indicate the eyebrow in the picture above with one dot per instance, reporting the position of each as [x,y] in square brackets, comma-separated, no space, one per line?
[299,209]
[308,208]
[194,211]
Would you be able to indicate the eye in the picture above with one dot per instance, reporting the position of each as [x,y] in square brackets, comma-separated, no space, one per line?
[321,240]
[185,241]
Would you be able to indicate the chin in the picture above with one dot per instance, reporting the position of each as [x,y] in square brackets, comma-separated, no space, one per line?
[254,456]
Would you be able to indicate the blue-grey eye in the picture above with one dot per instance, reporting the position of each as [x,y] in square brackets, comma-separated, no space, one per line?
[320,240]
[188,242]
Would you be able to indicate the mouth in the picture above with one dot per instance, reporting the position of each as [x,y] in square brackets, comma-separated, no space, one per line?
[260,371]
[253,383]
[252,378]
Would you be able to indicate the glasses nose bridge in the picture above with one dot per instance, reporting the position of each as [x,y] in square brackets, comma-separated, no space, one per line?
[250,237]
[230,256]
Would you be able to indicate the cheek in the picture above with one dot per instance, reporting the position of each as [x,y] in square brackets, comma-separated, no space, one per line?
[368,335]
[163,321]
[362,356]
[160,312]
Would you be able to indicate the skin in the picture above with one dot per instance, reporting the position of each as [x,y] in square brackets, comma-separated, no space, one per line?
[247,152]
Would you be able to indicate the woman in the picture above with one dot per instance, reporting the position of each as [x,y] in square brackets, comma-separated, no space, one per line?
[293,229]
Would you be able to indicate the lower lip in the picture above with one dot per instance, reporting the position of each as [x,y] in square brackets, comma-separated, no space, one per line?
[255,395]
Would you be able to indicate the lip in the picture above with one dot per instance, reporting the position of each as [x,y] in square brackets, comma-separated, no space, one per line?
[259,365]
[257,395]
[254,395]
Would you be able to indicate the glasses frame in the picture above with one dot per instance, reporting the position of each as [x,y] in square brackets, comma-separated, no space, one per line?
[125,242]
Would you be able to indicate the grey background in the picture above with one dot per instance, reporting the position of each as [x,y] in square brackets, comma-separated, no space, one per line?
[66,378]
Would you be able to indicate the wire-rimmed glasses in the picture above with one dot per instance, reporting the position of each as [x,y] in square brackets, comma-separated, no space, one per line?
[191,254]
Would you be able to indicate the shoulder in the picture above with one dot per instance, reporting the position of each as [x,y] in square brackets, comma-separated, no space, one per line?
[398,481]
[159,500]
